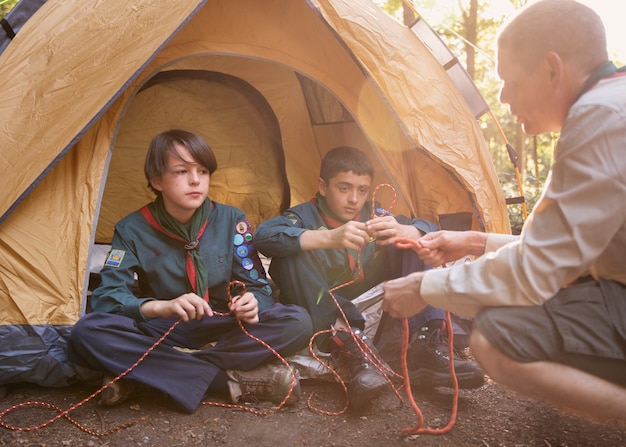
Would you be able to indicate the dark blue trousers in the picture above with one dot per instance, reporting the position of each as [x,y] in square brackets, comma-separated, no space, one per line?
[113,343]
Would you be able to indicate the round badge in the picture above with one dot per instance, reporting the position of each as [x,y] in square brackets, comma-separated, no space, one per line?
[238,239]
[242,251]
[247,263]
[254,274]
[248,237]
[241,227]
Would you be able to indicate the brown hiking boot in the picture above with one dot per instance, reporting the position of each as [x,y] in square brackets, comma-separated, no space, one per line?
[269,382]
[118,392]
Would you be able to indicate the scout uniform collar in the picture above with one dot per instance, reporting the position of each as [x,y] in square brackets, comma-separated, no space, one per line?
[189,234]
[608,69]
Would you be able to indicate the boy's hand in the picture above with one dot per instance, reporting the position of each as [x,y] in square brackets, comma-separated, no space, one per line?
[188,307]
[352,235]
[245,308]
[387,229]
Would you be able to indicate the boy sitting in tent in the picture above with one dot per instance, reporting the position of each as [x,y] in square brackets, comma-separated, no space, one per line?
[186,250]
[316,246]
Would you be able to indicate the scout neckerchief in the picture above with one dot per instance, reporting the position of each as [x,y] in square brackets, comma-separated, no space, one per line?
[189,234]
[606,70]
[333,221]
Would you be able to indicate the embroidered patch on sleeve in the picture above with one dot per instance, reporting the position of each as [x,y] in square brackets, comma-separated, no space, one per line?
[115,258]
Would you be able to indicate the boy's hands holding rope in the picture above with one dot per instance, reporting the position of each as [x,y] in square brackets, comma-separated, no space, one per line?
[352,235]
[190,306]
[187,307]
[387,229]
[245,307]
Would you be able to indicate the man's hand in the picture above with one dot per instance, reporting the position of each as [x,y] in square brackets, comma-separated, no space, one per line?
[441,247]
[188,307]
[245,308]
[402,296]
[387,229]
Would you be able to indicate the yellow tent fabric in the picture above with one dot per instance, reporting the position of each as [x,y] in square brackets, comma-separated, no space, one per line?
[271,85]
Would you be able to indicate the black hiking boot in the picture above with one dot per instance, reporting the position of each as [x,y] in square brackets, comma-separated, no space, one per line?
[428,361]
[117,392]
[366,383]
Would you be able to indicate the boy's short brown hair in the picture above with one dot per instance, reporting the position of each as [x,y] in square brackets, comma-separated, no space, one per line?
[163,144]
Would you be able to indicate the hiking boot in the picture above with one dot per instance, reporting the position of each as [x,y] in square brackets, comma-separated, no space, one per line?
[428,361]
[269,382]
[365,383]
[118,392]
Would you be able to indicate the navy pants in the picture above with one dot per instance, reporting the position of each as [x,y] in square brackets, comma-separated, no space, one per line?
[113,343]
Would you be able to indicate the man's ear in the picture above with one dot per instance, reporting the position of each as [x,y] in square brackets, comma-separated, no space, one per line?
[321,186]
[554,67]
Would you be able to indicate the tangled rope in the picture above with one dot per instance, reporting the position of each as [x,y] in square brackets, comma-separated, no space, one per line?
[65,413]
[378,363]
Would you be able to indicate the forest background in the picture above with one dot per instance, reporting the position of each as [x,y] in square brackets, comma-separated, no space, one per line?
[469,27]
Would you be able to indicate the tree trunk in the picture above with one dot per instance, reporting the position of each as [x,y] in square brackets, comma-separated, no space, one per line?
[471,22]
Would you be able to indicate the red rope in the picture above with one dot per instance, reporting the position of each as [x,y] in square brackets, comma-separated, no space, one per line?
[378,363]
[382,368]
[280,357]
[65,413]
[375,361]
[418,429]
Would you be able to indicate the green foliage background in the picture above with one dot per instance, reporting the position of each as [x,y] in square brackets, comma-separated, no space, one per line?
[6,6]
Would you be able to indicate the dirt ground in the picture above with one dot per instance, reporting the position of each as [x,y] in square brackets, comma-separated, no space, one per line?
[489,416]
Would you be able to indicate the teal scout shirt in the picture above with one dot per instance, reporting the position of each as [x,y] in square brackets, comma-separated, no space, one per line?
[160,264]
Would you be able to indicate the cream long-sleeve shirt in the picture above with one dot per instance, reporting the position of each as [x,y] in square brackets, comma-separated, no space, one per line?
[578,226]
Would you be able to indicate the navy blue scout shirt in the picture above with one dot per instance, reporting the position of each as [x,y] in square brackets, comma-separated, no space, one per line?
[160,264]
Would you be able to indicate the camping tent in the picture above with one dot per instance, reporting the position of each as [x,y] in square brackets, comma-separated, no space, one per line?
[271,85]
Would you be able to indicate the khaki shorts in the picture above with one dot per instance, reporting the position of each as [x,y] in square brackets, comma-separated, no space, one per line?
[583,326]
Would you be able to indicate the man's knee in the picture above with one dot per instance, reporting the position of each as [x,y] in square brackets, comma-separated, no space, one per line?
[479,345]
[485,353]
[495,363]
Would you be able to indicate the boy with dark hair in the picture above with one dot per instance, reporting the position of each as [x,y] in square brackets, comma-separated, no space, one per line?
[185,251]
[316,245]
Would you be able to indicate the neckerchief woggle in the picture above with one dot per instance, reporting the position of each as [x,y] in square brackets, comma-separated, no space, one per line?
[189,234]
